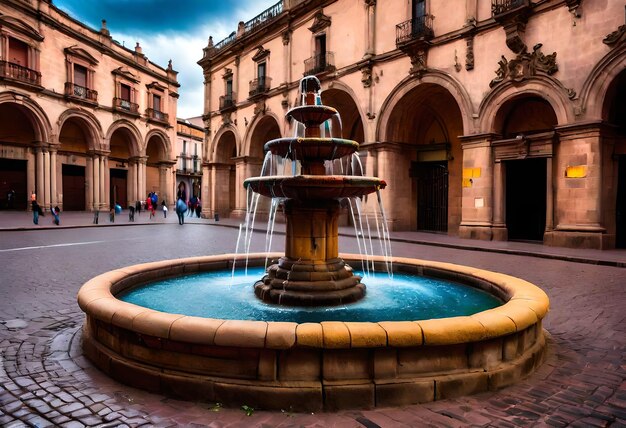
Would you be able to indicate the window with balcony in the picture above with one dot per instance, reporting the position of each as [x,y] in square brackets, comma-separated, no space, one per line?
[227,101]
[419,27]
[80,75]
[156,108]
[322,60]
[19,53]
[125,100]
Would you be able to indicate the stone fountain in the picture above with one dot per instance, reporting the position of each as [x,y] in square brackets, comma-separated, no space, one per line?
[311,273]
[312,366]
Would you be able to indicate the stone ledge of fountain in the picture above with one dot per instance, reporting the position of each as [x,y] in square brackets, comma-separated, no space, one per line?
[313,366]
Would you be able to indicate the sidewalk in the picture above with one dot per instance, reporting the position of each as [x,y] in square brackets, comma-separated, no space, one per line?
[22,220]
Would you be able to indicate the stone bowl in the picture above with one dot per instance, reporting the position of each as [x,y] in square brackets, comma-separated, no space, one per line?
[311,149]
[313,366]
[314,187]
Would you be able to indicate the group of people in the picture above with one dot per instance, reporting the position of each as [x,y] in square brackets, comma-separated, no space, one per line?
[38,211]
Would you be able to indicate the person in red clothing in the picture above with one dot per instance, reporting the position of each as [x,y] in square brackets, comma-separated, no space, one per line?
[149,206]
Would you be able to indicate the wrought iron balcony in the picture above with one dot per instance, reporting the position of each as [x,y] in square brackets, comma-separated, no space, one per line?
[264,17]
[17,72]
[125,105]
[419,28]
[501,8]
[319,63]
[227,101]
[260,86]
[77,91]
[157,115]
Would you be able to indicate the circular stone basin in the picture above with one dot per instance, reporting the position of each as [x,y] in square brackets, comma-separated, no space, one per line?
[312,149]
[313,366]
[307,187]
[312,115]
[217,294]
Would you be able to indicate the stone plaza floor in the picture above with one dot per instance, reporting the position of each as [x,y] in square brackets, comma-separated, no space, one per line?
[45,380]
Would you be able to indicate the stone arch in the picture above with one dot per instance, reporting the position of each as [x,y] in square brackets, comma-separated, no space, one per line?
[213,155]
[434,77]
[420,152]
[88,122]
[225,191]
[159,135]
[543,87]
[34,113]
[262,129]
[131,131]
[342,97]
[596,87]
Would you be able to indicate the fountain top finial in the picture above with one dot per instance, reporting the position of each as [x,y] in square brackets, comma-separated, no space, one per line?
[310,88]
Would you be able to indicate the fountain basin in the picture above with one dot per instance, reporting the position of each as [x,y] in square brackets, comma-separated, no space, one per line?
[313,366]
[311,149]
[318,187]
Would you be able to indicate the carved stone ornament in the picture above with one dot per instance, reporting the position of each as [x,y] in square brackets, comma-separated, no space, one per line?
[370,2]
[228,73]
[286,37]
[320,22]
[81,53]
[366,76]
[469,54]
[260,54]
[525,65]
[617,37]
[418,62]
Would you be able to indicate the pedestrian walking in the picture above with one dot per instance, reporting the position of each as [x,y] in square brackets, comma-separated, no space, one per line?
[37,211]
[55,214]
[149,206]
[181,207]
[131,213]
[164,208]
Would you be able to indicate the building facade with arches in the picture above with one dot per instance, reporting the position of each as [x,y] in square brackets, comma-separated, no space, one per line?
[500,119]
[85,123]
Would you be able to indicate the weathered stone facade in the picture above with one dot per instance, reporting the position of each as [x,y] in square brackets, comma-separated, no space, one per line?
[85,123]
[499,120]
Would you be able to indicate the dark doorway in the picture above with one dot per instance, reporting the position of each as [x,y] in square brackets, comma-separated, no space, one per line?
[118,187]
[620,206]
[73,188]
[526,199]
[432,195]
[13,184]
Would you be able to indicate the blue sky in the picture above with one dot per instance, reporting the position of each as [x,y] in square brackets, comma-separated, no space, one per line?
[167,29]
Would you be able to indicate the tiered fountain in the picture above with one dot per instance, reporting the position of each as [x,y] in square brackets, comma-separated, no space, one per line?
[311,273]
[311,365]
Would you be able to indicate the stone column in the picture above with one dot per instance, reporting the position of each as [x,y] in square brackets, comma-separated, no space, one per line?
[46,179]
[103,203]
[206,202]
[549,195]
[96,182]
[40,174]
[30,176]
[89,185]
[241,173]
[132,181]
[393,166]
[370,28]
[500,232]
[477,204]
[578,180]
[107,182]
[142,178]
[54,194]
[287,56]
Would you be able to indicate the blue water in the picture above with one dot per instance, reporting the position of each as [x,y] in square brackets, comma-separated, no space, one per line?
[217,295]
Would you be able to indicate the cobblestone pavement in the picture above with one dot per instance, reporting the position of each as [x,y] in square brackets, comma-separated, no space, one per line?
[45,381]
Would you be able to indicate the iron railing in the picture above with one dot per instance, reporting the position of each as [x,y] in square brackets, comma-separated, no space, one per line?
[259,21]
[20,73]
[157,115]
[260,85]
[420,27]
[319,63]
[227,101]
[125,105]
[499,7]
[73,90]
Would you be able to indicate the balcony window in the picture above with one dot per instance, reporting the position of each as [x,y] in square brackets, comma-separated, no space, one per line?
[80,74]
[501,7]
[19,67]
[319,63]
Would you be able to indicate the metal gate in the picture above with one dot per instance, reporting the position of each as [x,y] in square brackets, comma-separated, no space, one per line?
[432,195]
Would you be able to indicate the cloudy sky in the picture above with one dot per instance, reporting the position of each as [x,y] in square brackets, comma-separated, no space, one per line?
[169,29]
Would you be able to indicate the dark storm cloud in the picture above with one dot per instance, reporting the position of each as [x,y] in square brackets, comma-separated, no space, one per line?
[148,16]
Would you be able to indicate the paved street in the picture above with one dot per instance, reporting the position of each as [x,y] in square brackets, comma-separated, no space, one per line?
[44,380]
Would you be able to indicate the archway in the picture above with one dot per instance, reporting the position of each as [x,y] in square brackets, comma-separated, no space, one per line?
[125,183]
[17,134]
[156,166]
[224,175]
[614,149]
[526,124]
[352,125]
[425,159]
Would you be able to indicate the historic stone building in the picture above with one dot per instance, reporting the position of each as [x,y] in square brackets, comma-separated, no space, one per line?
[84,122]
[501,119]
[189,148]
